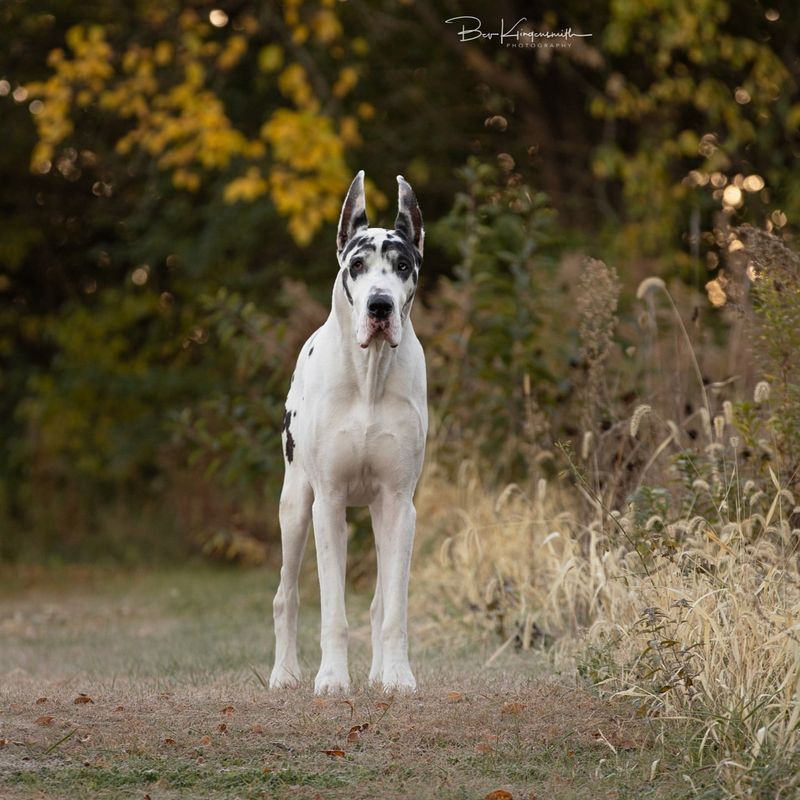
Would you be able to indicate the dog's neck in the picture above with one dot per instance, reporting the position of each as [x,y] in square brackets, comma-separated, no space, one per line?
[369,367]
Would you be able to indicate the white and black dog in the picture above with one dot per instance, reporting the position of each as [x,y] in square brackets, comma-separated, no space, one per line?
[354,435]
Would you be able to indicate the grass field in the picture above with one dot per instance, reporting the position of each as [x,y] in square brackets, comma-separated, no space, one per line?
[150,684]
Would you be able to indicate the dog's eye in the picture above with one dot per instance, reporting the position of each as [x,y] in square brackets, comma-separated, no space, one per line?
[402,266]
[357,264]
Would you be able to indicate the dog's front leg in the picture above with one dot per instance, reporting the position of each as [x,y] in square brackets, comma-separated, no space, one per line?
[330,535]
[376,607]
[395,540]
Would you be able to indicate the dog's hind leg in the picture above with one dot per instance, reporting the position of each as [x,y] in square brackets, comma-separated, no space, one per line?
[295,515]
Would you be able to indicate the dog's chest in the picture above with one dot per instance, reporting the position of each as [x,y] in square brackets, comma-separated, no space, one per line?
[359,446]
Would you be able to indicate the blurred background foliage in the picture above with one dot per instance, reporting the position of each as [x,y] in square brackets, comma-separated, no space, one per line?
[171,177]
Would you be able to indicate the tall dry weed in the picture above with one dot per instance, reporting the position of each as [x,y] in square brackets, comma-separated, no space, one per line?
[681,593]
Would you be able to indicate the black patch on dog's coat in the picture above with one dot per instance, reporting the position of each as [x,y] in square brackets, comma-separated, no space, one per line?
[346,289]
[289,438]
[410,298]
[363,242]
[310,351]
[397,249]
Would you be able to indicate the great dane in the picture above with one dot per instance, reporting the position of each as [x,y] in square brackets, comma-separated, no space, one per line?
[354,435]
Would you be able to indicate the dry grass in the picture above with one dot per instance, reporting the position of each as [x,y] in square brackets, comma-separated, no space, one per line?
[171,662]
[707,635]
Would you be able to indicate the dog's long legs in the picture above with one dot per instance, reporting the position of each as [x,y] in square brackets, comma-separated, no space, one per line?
[395,540]
[330,535]
[295,515]
[376,607]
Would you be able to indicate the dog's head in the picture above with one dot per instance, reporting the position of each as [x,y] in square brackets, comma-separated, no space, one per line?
[379,267]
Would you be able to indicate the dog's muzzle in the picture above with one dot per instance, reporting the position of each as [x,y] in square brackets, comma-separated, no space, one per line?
[380,306]
[381,321]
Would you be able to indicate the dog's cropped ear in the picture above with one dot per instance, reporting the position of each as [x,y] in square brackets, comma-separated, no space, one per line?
[409,217]
[354,212]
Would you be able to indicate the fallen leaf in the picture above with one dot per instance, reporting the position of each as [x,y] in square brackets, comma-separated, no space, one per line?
[319,702]
[512,708]
[44,720]
[382,706]
[355,732]
[499,794]
[484,747]
[169,741]
[454,697]
[119,708]
[3,743]
[222,727]
[82,699]
[334,753]
[205,740]
[41,701]
[266,770]
[256,728]
[228,711]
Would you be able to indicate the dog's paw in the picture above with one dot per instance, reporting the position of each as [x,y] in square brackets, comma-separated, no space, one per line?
[376,672]
[332,681]
[398,677]
[284,677]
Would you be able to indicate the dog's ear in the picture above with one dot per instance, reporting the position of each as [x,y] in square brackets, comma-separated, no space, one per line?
[354,212]
[409,217]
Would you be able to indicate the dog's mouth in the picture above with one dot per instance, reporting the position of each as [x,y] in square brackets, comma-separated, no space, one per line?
[379,330]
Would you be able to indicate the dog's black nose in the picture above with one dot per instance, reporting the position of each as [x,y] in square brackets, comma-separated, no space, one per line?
[379,306]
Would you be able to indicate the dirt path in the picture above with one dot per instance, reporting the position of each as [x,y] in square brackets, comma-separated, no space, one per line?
[150,685]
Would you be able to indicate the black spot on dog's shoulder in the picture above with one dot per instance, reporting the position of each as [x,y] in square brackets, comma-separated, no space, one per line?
[289,438]
[346,288]
[310,351]
[294,413]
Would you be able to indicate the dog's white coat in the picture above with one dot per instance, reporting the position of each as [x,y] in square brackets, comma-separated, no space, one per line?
[359,437]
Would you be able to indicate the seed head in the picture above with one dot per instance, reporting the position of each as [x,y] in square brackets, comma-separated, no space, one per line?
[649,285]
[638,415]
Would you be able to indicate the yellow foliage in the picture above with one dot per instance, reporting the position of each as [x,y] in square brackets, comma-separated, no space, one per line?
[348,130]
[162,90]
[360,46]
[163,53]
[293,83]
[299,34]
[249,187]
[348,78]
[270,58]
[234,50]
[326,26]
